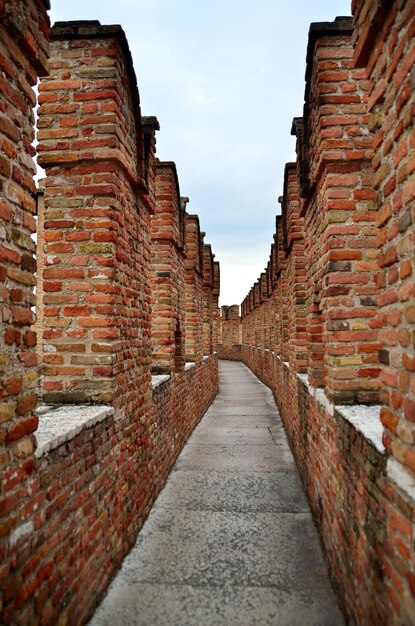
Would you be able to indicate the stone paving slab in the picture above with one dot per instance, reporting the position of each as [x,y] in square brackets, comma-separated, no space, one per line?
[231,432]
[225,548]
[143,604]
[257,458]
[230,540]
[234,491]
[208,434]
[239,421]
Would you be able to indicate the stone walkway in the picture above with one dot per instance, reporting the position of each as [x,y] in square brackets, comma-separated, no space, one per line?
[230,540]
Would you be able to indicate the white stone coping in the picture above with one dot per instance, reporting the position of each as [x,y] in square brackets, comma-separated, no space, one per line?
[401,476]
[205,357]
[159,379]
[318,394]
[21,531]
[365,419]
[63,423]
[189,365]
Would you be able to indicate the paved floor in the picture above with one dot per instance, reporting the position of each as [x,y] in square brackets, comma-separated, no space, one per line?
[230,540]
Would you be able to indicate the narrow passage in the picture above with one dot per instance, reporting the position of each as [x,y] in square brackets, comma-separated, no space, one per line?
[230,540]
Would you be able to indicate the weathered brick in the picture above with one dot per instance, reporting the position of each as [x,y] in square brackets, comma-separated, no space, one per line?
[356,200]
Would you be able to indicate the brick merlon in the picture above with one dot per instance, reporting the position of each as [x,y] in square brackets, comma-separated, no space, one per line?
[297,126]
[92,29]
[193,217]
[171,165]
[342,26]
[184,201]
[216,278]
[150,122]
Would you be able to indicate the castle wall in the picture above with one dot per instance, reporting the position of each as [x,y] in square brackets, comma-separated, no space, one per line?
[82,470]
[339,309]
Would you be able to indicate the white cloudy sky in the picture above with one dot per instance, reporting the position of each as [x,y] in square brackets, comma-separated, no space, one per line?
[224,78]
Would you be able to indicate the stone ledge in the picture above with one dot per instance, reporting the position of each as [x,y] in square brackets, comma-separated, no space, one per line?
[188,366]
[317,393]
[401,476]
[366,420]
[159,379]
[205,358]
[60,424]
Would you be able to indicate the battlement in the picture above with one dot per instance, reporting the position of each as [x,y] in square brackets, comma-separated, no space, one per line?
[126,291]
[328,324]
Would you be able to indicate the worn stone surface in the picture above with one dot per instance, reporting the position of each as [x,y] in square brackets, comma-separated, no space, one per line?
[230,539]
[61,424]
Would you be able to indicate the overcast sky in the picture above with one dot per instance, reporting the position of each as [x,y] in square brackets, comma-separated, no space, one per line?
[224,78]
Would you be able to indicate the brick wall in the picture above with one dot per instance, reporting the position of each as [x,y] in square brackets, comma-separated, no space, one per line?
[214,315]
[231,333]
[24,28]
[340,302]
[70,510]
[23,57]
[167,281]
[96,228]
[193,290]
[209,301]
[385,50]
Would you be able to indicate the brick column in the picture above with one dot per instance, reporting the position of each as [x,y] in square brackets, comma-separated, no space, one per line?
[207,299]
[96,302]
[281,291]
[215,305]
[244,324]
[293,234]
[24,28]
[391,104]
[231,326]
[263,300]
[273,311]
[335,181]
[167,284]
[193,290]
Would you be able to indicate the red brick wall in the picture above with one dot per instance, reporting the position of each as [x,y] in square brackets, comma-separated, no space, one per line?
[193,290]
[69,514]
[23,57]
[96,240]
[341,304]
[208,299]
[214,316]
[343,473]
[24,29]
[391,104]
[295,297]
[167,280]
[385,50]
[231,333]
[336,184]
[86,500]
